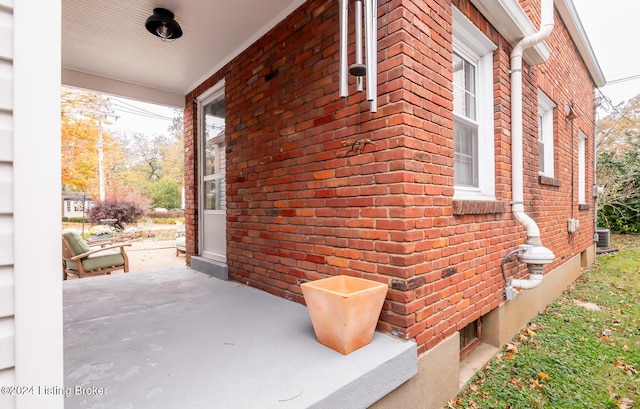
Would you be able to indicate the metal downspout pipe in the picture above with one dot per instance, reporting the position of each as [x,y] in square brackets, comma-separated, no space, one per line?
[534,254]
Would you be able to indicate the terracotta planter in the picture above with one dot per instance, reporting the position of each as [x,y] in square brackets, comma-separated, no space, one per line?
[344,310]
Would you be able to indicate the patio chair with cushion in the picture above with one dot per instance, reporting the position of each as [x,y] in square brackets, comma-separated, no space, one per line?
[80,260]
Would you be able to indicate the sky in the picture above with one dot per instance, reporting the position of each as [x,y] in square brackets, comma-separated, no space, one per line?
[613,29]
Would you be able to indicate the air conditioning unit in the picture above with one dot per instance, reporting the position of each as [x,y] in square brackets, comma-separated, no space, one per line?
[604,238]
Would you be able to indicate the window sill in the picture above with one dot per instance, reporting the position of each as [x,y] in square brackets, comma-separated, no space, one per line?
[549,181]
[584,206]
[464,207]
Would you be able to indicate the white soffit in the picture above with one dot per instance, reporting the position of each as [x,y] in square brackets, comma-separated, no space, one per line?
[105,46]
[513,24]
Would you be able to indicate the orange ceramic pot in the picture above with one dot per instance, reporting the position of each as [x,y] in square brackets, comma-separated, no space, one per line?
[344,310]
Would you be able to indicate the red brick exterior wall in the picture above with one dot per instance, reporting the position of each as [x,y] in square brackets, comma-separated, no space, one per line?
[302,205]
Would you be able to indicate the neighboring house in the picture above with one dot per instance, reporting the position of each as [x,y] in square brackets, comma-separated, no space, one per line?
[75,204]
[431,200]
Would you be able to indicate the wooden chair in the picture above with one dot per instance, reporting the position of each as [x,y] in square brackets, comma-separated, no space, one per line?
[80,260]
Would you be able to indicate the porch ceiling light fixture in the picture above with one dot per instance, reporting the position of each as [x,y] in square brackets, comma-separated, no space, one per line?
[162,24]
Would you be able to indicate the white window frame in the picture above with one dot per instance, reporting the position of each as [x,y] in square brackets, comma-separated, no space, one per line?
[470,43]
[582,170]
[545,133]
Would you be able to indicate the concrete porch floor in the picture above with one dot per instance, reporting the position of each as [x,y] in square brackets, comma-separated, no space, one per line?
[181,339]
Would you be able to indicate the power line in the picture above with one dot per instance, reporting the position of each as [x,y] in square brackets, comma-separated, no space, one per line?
[154,116]
[623,79]
[132,109]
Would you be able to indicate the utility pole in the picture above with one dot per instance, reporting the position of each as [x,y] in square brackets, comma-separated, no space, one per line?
[101,113]
[103,193]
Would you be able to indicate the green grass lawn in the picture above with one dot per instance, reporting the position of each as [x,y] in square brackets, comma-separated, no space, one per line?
[572,355]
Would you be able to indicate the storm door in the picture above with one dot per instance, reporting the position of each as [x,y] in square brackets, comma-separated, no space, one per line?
[212,183]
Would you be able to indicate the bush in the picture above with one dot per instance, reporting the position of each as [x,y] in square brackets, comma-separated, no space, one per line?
[168,220]
[171,214]
[74,220]
[121,210]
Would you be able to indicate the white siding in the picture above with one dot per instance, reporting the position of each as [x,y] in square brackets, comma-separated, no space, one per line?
[6,32]
[6,132]
[7,350]
[6,188]
[6,84]
[7,329]
[7,377]
[6,240]
[6,293]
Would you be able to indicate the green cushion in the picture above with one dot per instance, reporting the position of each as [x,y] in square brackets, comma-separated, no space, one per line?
[78,245]
[94,262]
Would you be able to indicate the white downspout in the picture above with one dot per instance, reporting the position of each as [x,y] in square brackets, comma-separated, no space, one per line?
[517,185]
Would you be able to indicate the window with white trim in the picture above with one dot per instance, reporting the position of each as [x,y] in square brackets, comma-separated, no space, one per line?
[473,129]
[545,134]
[582,162]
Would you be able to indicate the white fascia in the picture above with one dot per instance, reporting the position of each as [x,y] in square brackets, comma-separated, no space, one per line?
[513,24]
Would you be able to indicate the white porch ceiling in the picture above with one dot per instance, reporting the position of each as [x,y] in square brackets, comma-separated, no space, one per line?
[106,48]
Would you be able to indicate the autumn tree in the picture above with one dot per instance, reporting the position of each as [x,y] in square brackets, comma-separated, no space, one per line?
[147,169]
[618,167]
[79,118]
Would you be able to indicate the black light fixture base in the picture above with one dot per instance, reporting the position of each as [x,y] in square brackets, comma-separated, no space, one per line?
[163,25]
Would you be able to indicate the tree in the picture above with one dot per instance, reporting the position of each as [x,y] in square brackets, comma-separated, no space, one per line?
[134,165]
[165,193]
[79,145]
[618,130]
[618,168]
[149,154]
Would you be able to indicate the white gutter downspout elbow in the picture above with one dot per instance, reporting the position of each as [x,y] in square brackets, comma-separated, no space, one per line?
[533,281]
[517,169]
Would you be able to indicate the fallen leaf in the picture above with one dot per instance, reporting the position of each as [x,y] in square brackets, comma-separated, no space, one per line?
[543,376]
[629,369]
[516,382]
[511,347]
[535,384]
[535,327]
[625,403]
[510,356]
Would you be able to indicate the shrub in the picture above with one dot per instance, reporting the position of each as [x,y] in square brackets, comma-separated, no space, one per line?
[167,220]
[74,220]
[121,210]
[171,214]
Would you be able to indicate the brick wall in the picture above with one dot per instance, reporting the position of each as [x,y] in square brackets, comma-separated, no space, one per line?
[302,205]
